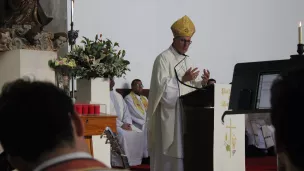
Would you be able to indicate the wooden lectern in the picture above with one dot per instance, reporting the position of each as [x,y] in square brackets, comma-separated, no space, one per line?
[198,122]
[209,142]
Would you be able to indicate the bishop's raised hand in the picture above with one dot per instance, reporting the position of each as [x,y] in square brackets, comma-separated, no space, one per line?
[190,74]
[205,77]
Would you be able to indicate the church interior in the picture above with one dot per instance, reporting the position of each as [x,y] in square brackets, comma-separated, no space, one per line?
[103,55]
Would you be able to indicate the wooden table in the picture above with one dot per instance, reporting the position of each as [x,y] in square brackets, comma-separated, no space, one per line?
[95,125]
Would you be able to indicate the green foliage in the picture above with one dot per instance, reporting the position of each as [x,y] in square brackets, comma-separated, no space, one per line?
[99,59]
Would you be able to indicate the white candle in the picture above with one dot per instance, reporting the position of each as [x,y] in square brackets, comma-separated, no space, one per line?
[300,33]
[72,14]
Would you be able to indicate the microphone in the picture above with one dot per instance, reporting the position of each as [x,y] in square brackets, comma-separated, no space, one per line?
[180,80]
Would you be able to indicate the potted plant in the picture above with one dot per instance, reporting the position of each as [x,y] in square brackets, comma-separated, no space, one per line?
[63,68]
[96,61]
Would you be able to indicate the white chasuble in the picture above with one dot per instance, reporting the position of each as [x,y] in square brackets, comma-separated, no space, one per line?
[130,141]
[164,115]
[137,109]
[137,106]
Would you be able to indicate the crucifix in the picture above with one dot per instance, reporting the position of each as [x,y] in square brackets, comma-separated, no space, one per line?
[230,136]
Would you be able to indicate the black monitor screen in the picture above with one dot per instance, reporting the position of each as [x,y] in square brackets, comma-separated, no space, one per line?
[263,94]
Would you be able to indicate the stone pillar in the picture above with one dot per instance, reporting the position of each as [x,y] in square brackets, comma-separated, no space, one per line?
[22,63]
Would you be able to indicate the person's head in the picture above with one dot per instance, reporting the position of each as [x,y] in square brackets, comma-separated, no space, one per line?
[287,95]
[112,83]
[183,30]
[37,122]
[137,86]
[211,81]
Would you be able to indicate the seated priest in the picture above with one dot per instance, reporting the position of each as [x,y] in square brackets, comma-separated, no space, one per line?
[260,138]
[129,137]
[138,104]
[39,129]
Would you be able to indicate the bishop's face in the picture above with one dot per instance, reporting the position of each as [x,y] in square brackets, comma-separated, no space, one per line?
[181,44]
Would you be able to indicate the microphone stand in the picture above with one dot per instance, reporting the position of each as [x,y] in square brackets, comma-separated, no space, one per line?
[72,36]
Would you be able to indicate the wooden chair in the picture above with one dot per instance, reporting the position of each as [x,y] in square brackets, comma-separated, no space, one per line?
[116,148]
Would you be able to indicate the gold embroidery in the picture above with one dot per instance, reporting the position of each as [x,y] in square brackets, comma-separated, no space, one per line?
[224,103]
[225,91]
[137,103]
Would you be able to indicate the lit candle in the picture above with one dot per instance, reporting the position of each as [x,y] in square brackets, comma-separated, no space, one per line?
[72,13]
[300,33]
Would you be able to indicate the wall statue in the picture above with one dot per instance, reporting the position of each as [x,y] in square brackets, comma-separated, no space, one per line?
[21,27]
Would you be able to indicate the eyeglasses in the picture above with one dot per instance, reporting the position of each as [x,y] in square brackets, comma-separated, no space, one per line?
[140,85]
[185,41]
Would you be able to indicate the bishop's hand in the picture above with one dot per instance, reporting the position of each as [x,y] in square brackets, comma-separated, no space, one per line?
[190,74]
[205,77]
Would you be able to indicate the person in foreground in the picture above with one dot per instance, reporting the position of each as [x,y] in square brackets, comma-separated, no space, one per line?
[129,137]
[164,114]
[39,130]
[287,95]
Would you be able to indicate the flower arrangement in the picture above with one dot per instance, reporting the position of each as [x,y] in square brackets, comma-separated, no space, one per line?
[98,59]
[63,66]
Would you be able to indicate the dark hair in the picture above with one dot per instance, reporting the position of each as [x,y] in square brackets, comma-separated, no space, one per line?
[287,95]
[134,81]
[35,118]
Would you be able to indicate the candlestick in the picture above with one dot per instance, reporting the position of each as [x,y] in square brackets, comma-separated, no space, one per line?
[300,33]
[300,52]
[72,35]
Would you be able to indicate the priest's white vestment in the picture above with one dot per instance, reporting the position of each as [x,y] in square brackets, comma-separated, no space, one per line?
[131,141]
[165,129]
[139,119]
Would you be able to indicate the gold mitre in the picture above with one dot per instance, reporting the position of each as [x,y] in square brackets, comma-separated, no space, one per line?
[183,27]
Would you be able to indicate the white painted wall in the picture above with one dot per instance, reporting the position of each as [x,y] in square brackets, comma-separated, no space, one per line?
[228,32]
